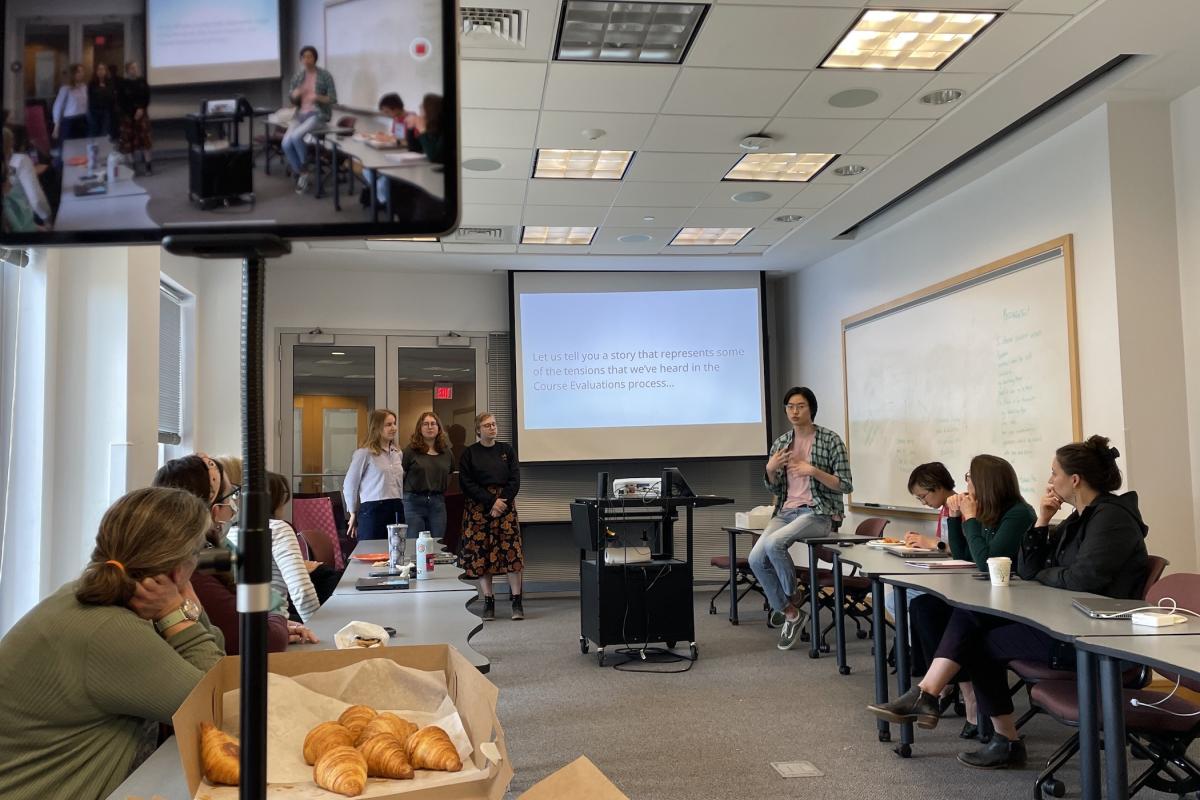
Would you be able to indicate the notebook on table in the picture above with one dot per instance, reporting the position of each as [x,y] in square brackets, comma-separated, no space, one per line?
[915,552]
[942,563]
[1107,607]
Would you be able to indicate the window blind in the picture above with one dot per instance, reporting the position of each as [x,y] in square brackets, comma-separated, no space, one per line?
[170,367]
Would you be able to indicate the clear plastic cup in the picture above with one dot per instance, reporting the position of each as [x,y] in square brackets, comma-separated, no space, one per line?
[999,569]
[397,538]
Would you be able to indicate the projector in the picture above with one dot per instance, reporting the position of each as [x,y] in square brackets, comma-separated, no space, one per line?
[637,487]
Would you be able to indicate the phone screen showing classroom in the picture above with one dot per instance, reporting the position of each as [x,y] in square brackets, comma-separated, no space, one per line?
[131,120]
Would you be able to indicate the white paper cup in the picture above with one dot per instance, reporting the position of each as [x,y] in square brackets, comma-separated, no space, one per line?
[999,569]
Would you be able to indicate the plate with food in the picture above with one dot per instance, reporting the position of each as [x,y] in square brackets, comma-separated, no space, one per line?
[370,557]
[886,541]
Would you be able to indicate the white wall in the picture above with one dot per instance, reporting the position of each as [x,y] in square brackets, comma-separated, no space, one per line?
[1185,138]
[1061,185]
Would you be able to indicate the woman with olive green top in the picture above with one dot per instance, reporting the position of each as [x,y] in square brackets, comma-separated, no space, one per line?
[91,671]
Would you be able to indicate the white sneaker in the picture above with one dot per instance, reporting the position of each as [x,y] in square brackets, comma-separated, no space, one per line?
[302,183]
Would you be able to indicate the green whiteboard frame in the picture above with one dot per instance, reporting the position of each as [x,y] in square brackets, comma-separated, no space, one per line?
[1063,244]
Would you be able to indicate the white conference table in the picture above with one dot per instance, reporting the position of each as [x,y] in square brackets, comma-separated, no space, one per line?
[123,205]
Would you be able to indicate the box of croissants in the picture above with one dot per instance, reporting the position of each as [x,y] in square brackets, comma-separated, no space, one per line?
[416,722]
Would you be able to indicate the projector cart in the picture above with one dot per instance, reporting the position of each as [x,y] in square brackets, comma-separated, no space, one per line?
[632,605]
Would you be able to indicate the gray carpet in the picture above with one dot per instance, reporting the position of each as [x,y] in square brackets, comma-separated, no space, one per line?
[712,732]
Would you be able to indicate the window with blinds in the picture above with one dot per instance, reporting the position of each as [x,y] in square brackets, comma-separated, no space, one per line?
[170,366]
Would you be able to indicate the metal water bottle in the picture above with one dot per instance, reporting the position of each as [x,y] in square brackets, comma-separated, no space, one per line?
[425,555]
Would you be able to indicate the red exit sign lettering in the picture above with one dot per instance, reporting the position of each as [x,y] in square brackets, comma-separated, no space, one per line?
[443,391]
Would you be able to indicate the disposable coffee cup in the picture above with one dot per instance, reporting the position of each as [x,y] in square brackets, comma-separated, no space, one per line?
[999,569]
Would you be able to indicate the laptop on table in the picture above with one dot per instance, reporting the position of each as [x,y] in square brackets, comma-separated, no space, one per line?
[1106,607]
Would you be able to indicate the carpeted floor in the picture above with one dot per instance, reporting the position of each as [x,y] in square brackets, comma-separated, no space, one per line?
[712,732]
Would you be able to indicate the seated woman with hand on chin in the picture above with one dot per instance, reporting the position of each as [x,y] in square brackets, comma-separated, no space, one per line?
[91,671]
[1099,548]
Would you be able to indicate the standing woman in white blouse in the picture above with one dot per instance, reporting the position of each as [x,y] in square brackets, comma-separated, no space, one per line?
[374,487]
[70,109]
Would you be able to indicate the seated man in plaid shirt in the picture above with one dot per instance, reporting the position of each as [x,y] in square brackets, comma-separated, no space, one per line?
[808,473]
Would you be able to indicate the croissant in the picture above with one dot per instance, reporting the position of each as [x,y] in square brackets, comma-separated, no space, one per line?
[341,769]
[323,738]
[355,718]
[431,748]
[386,757]
[387,722]
[218,755]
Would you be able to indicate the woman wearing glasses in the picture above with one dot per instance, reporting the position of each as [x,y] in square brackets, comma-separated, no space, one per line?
[808,473]
[203,477]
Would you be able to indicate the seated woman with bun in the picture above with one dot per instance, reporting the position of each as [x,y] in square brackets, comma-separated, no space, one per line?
[91,671]
[1099,548]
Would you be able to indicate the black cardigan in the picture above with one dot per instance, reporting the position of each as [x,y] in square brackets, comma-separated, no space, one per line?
[1101,549]
[481,467]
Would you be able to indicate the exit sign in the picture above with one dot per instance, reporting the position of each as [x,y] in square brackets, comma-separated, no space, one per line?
[443,391]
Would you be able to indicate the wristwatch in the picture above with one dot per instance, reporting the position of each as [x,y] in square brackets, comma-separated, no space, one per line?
[188,611]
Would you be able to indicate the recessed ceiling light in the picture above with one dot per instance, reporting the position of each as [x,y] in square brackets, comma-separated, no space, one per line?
[941,97]
[404,239]
[634,238]
[337,353]
[710,236]
[779,166]
[750,197]
[647,219]
[854,98]
[653,33]
[905,40]
[481,164]
[602,165]
[788,218]
[541,234]
[849,170]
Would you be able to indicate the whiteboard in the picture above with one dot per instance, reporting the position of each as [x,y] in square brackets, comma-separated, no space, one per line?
[983,363]
[369,47]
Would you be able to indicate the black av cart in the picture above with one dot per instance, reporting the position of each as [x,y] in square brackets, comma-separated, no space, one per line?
[640,602]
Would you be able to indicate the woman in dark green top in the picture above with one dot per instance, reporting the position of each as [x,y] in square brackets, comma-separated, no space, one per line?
[986,521]
[427,464]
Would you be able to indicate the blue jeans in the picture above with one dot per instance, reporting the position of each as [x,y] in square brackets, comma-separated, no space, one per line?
[425,511]
[769,559]
[294,148]
[374,516]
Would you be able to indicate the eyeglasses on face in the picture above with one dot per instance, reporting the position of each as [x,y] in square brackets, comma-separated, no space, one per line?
[795,406]
[231,497]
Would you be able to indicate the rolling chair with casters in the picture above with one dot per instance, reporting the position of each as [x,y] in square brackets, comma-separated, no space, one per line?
[857,589]
[745,577]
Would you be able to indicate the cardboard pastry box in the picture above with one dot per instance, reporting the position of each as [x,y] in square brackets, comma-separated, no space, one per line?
[473,694]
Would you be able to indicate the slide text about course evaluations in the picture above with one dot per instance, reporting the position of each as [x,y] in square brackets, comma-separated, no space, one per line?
[627,359]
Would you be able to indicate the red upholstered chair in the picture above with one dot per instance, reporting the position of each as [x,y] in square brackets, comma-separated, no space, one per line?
[871,526]
[744,576]
[36,128]
[315,514]
[856,588]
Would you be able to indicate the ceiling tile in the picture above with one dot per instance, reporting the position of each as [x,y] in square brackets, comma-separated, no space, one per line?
[729,217]
[634,217]
[813,196]
[893,88]
[966,82]
[479,249]
[679,167]
[481,215]
[817,135]
[732,92]
[768,37]
[546,192]
[632,88]
[564,129]
[829,176]
[747,249]
[539,36]
[607,240]
[767,234]
[514,164]
[1004,42]
[892,135]
[781,194]
[502,84]
[987,5]
[556,216]
[662,195]
[496,128]
[701,134]
[1051,6]
[492,192]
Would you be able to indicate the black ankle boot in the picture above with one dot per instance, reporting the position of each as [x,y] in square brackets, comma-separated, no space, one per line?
[489,607]
[518,610]
[1000,753]
[912,706]
[969,731]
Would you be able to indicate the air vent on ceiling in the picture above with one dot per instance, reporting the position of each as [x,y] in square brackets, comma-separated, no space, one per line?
[482,235]
[493,27]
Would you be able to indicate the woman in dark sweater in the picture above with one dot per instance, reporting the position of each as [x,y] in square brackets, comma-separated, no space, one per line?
[102,101]
[427,464]
[491,533]
[133,110]
[1099,548]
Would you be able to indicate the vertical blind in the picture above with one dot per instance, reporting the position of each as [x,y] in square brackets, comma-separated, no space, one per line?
[170,367]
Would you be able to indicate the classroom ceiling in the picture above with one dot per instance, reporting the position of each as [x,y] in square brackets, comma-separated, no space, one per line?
[752,69]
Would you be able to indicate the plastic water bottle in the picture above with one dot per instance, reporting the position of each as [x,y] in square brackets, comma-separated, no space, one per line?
[424,555]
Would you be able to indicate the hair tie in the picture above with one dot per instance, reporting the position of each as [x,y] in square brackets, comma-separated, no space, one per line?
[116,564]
[1114,453]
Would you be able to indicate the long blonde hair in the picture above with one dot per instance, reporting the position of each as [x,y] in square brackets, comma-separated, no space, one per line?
[373,441]
[147,532]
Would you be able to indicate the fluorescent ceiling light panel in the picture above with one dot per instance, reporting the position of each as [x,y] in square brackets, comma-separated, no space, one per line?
[540,234]
[600,165]
[779,166]
[722,237]
[906,40]
[646,33]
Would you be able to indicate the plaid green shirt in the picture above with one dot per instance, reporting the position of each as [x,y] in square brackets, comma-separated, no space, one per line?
[828,455]
[324,86]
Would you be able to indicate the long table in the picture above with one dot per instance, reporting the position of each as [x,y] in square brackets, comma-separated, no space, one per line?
[123,201]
